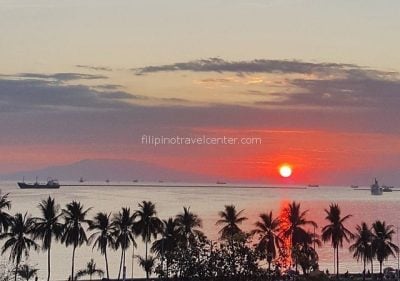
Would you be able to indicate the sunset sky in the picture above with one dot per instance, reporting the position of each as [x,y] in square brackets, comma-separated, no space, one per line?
[318,81]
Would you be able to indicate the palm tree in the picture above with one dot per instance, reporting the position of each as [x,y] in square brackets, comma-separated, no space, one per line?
[382,242]
[167,243]
[188,224]
[269,241]
[293,221]
[147,263]
[335,231]
[148,224]
[74,230]
[27,272]
[189,235]
[47,227]
[123,232]
[18,239]
[5,218]
[103,237]
[361,247]
[90,270]
[231,219]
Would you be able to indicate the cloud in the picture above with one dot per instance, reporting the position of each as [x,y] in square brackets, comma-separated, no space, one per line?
[120,95]
[32,95]
[314,85]
[103,106]
[91,67]
[61,77]
[380,94]
[219,65]
[108,87]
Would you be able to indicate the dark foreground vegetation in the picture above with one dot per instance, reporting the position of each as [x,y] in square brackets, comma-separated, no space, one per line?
[280,247]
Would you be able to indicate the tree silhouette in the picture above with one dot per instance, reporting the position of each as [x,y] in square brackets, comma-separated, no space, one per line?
[124,234]
[148,224]
[362,246]
[103,237]
[267,229]
[382,242]
[295,221]
[74,228]
[146,263]
[47,227]
[26,272]
[165,246]
[335,231]
[91,269]
[18,239]
[188,225]
[5,218]
[230,220]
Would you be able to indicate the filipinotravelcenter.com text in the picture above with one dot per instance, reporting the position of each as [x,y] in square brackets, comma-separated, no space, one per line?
[198,140]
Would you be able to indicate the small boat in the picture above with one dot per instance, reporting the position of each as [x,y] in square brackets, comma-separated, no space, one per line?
[221,182]
[81,180]
[107,181]
[50,184]
[135,181]
[313,185]
[354,186]
[376,189]
[386,188]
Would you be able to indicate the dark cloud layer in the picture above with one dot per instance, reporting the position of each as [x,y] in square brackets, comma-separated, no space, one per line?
[380,94]
[32,94]
[263,66]
[361,100]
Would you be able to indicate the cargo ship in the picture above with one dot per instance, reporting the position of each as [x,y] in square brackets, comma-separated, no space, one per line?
[50,184]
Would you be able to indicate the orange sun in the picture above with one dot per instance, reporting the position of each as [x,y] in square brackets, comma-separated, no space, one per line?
[285,171]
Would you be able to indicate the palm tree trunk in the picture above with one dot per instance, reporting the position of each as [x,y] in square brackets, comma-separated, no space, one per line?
[380,269]
[364,260]
[48,264]
[146,248]
[372,267]
[120,263]
[16,271]
[105,256]
[73,263]
[334,260]
[147,272]
[124,267]
[337,262]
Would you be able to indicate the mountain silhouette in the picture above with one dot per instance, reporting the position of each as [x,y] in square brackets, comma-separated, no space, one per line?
[102,169]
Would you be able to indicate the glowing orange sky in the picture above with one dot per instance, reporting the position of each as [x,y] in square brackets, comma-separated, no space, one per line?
[134,69]
[315,156]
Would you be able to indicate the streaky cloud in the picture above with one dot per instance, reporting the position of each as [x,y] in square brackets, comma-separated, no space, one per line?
[61,77]
[219,65]
[96,68]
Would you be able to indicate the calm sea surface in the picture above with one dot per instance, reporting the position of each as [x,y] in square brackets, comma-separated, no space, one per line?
[206,202]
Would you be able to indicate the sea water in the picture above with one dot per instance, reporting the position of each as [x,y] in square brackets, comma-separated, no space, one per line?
[206,201]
